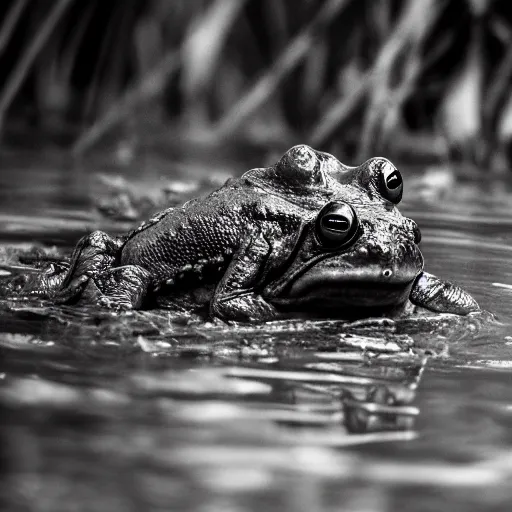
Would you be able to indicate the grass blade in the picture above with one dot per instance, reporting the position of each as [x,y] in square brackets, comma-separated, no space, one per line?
[149,85]
[22,68]
[339,111]
[291,56]
[10,21]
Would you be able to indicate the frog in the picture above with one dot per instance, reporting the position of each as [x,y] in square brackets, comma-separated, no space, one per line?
[307,235]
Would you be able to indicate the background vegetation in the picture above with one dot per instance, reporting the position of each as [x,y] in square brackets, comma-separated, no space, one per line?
[427,78]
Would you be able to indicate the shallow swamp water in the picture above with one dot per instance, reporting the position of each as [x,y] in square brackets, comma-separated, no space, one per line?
[101,411]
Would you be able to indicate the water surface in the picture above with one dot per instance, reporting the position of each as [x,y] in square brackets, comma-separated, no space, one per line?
[132,412]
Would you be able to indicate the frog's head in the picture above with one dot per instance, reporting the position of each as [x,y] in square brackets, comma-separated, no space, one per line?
[358,251]
[302,176]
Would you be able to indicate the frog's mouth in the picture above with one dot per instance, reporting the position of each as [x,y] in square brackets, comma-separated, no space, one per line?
[330,290]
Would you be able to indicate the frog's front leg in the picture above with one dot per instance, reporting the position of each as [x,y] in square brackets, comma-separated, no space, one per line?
[435,294]
[235,297]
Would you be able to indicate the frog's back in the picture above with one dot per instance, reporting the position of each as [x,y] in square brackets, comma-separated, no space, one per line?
[197,239]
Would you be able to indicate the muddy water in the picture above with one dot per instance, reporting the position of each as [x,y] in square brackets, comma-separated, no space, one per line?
[106,412]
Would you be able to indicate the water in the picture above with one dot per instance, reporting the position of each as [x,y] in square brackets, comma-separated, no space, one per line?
[134,413]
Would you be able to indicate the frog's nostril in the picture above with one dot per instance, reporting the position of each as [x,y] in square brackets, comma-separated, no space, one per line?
[387,272]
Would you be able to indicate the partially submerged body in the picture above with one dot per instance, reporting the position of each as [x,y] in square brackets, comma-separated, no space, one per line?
[307,235]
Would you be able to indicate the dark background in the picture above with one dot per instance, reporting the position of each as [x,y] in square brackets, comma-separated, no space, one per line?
[425,79]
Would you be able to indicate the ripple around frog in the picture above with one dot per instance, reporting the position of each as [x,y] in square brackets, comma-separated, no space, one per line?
[373,367]
[369,370]
[181,418]
[246,402]
[431,334]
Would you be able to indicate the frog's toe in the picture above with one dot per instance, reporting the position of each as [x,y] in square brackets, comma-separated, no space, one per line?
[26,281]
[73,291]
[114,303]
[243,308]
[119,288]
[434,294]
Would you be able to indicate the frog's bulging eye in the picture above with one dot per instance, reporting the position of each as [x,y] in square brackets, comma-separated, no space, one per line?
[391,184]
[336,225]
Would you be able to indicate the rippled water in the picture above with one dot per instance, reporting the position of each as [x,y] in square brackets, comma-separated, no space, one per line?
[132,412]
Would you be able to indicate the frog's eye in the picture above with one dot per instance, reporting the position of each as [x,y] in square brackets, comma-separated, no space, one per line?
[391,185]
[336,225]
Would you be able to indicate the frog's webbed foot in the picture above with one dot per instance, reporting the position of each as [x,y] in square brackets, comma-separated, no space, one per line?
[36,282]
[435,294]
[118,288]
[94,254]
[93,279]
[247,307]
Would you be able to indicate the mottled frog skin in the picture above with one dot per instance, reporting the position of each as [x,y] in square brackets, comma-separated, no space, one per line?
[308,235]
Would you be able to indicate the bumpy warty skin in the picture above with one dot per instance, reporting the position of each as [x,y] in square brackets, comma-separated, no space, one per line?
[193,241]
[197,242]
[307,235]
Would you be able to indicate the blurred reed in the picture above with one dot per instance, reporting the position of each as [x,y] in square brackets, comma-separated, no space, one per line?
[429,77]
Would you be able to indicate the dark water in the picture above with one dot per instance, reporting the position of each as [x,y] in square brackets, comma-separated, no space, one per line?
[132,412]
